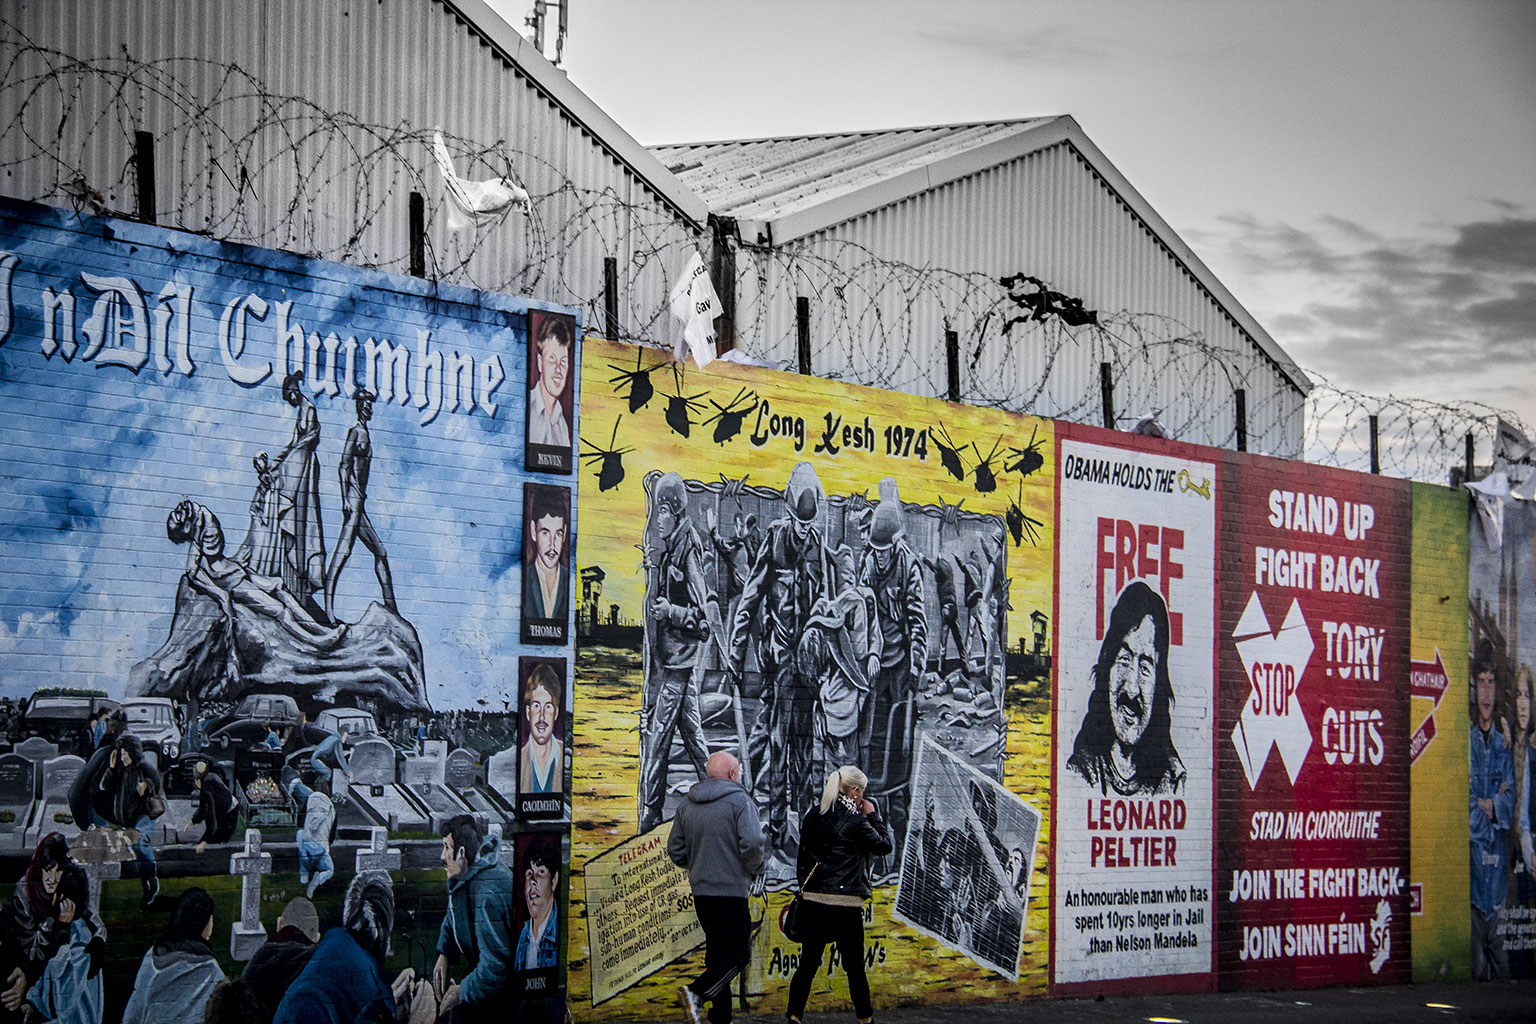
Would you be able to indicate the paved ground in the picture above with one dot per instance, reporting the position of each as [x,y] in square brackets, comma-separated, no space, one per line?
[1460,1002]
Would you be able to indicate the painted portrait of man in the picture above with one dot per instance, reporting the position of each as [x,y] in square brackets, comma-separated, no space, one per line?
[546,563]
[541,752]
[551,362]
[537,878]
[1125,745]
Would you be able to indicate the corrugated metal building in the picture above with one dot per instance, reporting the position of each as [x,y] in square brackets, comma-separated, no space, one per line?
[901,235]
[306,126]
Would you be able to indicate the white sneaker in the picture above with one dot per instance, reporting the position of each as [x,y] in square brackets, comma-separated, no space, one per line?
[692,1004]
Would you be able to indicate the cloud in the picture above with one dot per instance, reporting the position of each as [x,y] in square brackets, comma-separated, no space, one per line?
[1503,245]
[1277,248]
[1054,45]
[1448,317]
[1510,319]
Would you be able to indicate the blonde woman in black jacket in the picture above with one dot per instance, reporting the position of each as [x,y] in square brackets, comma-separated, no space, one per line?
[838,839]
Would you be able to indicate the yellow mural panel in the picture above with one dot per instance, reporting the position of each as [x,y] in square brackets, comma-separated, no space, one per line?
[796,504]
[1438,868]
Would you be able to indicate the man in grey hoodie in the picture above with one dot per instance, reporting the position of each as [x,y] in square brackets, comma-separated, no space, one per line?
[717,837]
[179,972]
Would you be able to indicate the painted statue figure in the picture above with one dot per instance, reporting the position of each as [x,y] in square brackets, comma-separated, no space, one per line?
[356,459]
[296,475]
[229,583]
[285,539]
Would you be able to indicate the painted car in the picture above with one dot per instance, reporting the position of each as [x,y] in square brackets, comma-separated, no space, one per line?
[359,723]
[153,721]
[62,717]
[251,721]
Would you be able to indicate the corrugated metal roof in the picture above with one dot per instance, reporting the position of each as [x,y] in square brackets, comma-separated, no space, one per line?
[801,187]
[767,179]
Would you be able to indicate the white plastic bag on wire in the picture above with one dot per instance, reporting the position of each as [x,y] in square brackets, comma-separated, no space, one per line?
[1515,456]
[471,203]
[1491,493]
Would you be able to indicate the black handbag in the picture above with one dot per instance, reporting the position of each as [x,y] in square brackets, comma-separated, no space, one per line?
[792,918]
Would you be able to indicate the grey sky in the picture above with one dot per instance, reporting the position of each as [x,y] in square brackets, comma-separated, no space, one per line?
[1360,173]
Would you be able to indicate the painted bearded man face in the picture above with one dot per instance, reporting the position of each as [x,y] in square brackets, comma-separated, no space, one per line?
[549,541]
[1132,682]
[541,715]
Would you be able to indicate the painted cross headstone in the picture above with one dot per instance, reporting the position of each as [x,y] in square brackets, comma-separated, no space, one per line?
[501,773]
[373,763]
[37,749]
[378,856]
[459,773]
[504,851]
[248,933]
[95,873]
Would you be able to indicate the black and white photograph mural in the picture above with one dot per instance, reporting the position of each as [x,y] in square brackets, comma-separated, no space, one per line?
[812,631]
[258,606]
[969,858]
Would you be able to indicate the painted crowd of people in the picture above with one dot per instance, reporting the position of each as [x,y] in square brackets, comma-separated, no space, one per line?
[1502,808]
[53,946]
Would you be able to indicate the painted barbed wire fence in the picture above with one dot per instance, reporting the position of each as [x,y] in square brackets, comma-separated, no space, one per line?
[257,166]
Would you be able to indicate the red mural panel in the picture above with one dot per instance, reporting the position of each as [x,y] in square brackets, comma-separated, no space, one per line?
[1313,730]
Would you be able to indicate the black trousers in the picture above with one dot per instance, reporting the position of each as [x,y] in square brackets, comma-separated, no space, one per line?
[727,947]
[827,924]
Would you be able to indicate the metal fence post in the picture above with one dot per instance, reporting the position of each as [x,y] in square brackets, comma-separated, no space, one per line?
[803,332]
[418,229]
[1107,393]
[611,297]
[144,174]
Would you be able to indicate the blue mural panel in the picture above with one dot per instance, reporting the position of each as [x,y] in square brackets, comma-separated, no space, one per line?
[262,549]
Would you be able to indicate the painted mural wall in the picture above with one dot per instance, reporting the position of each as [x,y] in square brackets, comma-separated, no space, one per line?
[292,545]
[285,578]
[815,574]
[1502,628]
[1135,698]
[1192,642]
[1437,688]
[1313,727]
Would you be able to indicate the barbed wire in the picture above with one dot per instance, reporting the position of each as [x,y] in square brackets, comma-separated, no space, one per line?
[256,166]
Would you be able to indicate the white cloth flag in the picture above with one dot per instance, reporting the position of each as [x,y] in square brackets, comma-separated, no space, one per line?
[474,202]
[1491,493]
[1515,456]
[695,303]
